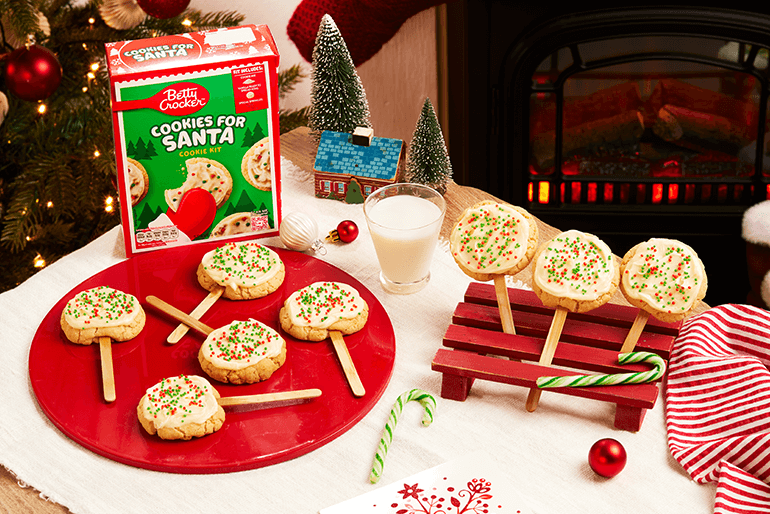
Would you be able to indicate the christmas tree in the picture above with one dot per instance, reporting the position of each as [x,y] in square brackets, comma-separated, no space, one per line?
[337,97]
[428,161]
[58,181]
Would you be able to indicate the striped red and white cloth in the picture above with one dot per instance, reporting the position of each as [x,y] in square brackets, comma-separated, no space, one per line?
[718,405]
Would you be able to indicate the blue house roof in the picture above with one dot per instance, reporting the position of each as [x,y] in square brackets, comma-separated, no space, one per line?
[337,154]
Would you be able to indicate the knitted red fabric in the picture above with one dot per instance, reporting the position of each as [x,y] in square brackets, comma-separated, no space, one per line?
[365,25]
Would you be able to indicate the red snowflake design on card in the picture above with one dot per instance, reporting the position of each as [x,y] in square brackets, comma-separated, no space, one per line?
[473,499]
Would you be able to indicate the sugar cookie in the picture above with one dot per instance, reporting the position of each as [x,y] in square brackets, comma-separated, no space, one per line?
[243,352]
[238,223]
[102,312]
[311,312]
[247,270]
[181,407]
[576,271]
[493,238]
[663,277]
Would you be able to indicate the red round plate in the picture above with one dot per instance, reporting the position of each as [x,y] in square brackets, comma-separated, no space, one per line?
[66,378]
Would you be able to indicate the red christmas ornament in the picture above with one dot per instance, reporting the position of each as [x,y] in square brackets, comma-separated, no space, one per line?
[346,231]
[607,457]
[32,73]
[163,8]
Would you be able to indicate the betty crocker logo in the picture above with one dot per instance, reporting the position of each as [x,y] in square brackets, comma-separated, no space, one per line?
[177,99]
[182,98]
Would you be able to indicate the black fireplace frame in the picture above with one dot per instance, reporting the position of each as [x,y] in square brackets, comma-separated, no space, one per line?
[489,90]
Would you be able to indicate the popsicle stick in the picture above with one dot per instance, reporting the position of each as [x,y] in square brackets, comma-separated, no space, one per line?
[108,377]
[268,398]
[636,330]
[199,311]
[347,363]
[504,304]
[179,315]
[546,357]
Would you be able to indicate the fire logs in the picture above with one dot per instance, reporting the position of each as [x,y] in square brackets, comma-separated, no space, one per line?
[700,131]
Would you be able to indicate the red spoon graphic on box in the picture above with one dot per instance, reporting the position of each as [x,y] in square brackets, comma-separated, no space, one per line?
[195,213]
[177,100]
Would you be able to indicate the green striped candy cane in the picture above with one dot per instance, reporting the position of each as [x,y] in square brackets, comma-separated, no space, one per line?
[641,377]
[418,395]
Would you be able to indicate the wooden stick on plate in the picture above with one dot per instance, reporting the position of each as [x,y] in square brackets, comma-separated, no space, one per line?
[269,398]
[549,348]
[179,315]
[347,363]
[108,376]
[199,311]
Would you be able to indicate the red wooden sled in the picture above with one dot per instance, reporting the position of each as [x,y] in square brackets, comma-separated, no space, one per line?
[589,343]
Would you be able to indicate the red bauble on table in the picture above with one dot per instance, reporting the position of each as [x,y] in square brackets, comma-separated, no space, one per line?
[607,457]
[163,8]
[32,73]
[346,231]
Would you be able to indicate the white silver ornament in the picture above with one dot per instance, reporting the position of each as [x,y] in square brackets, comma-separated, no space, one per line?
[300,232]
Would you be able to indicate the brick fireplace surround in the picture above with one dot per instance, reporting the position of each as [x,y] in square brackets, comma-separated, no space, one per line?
[536,92]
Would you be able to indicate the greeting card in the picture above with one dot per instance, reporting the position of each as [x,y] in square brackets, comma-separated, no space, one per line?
[471,485]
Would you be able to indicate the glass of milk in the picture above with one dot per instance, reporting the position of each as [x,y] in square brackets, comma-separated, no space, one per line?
[404,221]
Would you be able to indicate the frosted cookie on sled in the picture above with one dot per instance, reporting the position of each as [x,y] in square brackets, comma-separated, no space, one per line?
[243,352]
[181,407]
[138,180]
[245,270]
[255,165]
[206,174]
[491,240]
[665,279]
[573,272]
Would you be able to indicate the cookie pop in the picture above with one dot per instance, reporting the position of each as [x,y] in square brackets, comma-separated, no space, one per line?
[238,271]
[241,352]
[492,240]
[327,309]
[187,406]
[665,279]
[103,314]
[574,272]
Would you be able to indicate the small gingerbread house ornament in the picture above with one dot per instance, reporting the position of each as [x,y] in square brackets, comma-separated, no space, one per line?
[349,167]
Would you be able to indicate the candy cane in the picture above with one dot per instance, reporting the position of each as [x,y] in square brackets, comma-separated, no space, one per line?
[427,401]
[615,379]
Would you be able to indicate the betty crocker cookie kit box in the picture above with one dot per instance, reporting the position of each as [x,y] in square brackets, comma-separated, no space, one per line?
[195,118]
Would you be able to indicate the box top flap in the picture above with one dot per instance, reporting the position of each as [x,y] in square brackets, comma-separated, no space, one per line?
[169,52]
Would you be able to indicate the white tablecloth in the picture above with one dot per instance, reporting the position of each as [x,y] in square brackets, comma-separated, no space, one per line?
[543,454]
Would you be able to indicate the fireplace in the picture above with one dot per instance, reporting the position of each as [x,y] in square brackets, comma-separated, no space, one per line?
[628,123]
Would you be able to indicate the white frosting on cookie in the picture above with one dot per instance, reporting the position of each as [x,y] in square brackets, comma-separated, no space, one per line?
[245,264]
[665,274]
[179,401]
[238,223]
[322,304]
[135,181]
[575,265]
[205,174]
[241,344]
[256,165]
[101,306]
[490,238]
